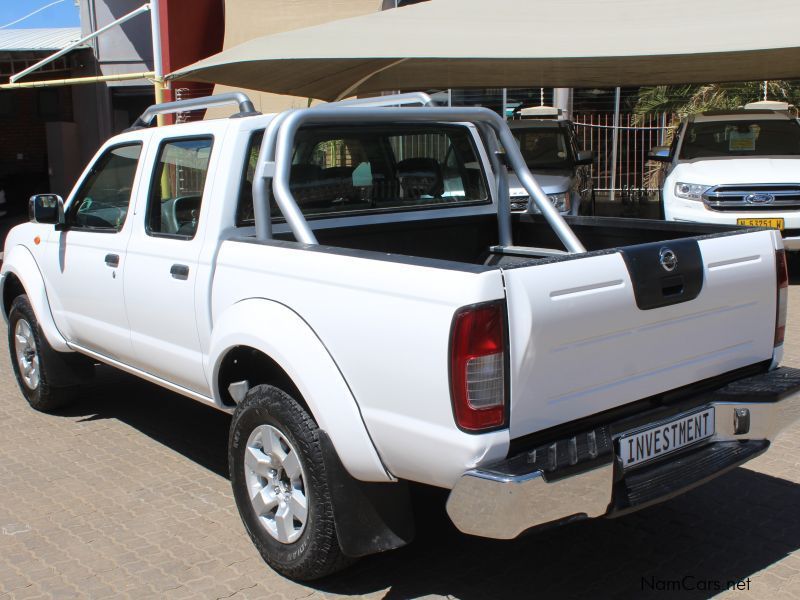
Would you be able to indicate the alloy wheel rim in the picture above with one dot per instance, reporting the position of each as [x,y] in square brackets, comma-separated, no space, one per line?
[276,484]
[27,355]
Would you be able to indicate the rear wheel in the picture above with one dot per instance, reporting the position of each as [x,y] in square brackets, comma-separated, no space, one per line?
[281,485]
[27,346]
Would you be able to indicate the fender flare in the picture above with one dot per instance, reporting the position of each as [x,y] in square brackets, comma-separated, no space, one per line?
[22,264]
[280,333]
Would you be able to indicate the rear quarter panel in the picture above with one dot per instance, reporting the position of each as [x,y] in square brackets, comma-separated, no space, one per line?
[386,324]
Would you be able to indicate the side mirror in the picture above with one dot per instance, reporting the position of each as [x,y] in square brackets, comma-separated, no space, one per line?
[660,154]
[46,208]
[584,157]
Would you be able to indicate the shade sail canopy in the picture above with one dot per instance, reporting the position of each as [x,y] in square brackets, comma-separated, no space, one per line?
[519,43]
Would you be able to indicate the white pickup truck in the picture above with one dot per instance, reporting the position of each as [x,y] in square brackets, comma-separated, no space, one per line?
[348,281]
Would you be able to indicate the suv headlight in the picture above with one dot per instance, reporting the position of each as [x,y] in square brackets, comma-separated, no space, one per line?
[690,191]
[560,201]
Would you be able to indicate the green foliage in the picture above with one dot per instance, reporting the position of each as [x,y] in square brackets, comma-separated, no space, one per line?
[683,100]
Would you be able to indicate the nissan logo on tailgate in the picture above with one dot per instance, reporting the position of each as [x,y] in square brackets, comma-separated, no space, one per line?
[759,198]
[667,259]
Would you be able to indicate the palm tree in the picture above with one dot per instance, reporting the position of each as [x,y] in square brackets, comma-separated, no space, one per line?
[685,100]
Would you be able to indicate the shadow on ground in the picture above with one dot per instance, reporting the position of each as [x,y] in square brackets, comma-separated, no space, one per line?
[724,531]
[198,432]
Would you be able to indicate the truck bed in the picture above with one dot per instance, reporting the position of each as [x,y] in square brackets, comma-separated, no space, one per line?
[587,332]
[467,239]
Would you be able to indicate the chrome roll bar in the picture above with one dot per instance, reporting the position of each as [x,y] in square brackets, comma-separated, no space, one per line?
[384,101]
[277,146]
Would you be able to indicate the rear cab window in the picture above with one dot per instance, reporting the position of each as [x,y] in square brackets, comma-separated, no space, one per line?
[176,189]
[346,171]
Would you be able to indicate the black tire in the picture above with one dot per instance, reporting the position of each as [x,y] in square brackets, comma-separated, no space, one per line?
[40,393]
[316,553]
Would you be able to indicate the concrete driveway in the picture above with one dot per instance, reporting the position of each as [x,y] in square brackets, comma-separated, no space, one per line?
[126,495]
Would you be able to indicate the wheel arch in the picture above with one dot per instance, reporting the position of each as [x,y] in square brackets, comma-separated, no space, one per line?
[263,341]
[12,287]
[21,274]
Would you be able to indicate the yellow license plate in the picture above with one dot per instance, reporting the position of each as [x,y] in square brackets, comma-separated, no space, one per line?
[774,223]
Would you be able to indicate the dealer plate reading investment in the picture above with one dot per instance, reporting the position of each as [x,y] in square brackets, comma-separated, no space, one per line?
[648,444]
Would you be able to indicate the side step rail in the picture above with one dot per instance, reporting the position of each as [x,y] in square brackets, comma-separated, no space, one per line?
[246,108]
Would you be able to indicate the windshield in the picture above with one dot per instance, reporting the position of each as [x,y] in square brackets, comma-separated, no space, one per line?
[543,148]
[751,137]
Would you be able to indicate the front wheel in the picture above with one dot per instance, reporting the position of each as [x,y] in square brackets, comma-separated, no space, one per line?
[27,347]
[281,486]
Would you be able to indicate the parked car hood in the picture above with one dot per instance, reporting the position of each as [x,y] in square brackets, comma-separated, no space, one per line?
[551,182]
[738,170]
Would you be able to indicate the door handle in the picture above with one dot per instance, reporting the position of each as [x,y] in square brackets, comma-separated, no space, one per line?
[112,260]
[179,271]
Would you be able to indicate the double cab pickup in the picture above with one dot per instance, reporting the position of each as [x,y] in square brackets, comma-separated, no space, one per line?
[349,283]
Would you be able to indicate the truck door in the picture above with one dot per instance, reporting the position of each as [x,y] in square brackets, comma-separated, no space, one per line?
[86,260]
[161,274]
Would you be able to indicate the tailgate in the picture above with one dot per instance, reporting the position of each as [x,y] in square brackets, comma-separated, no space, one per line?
[590,334]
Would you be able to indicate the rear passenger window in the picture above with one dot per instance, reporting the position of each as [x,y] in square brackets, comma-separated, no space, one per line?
[373,169]
[101,203]
[176,191]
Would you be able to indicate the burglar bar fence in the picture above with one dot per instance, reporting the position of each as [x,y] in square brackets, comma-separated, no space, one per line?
[635,175]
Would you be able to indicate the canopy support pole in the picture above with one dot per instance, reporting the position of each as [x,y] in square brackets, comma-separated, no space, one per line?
[63,51]
[615,140]
[76,80]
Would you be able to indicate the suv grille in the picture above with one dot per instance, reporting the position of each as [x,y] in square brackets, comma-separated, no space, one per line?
[519,202]
[754,197]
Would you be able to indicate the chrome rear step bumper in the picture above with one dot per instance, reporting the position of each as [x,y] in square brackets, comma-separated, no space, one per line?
[568,479]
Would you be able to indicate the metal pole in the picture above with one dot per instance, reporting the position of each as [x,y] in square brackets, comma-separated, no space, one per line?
[63,51]
[562,98]
[505,100]
[615,139]
[76,80]
[158,63]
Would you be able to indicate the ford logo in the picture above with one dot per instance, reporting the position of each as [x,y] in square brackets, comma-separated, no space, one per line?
[667,259]
[759,198]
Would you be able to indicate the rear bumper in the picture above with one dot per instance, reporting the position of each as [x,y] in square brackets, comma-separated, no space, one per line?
[505,499]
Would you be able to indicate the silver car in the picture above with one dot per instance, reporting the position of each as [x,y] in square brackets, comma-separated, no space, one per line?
[551,151]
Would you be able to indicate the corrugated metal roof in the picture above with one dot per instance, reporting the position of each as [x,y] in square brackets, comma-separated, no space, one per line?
[38,39]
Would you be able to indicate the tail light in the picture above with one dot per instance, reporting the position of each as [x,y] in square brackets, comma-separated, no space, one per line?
[783,295]
[477,367]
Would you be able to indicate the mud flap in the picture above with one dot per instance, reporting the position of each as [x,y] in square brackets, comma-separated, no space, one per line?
[65,369]
[369,517]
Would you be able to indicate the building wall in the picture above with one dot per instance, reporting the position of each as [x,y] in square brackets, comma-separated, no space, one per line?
[24,167]
[248,19]
[124,49]
[190,31]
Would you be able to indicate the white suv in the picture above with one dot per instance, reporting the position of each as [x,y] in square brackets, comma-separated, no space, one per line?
[735,167]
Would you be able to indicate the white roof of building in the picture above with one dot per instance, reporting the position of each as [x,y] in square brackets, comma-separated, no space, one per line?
[38,39]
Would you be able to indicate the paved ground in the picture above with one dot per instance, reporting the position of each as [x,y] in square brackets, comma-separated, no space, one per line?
[126,495]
